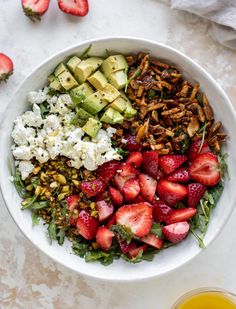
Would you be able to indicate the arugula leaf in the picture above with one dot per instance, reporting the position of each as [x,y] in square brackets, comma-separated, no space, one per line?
[152,93]
[28,202]
[199,99]
[222,158]
[164,95]
[44,109]
[133,76]
[184,144]
[137,259]
[199,239]
[18,183]
[61,236]
[156,229]
[203,130]
[80,248]
[52,231]
[149,254]
[84,54]
[105,258]
[123,231]
[123,153]
[35,218]
[37,205]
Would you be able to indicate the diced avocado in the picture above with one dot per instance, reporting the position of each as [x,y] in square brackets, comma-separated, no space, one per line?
[81,92]
[51,78]
[92,127]
[119,104]
[60,69]
[86,67]
[67,80]
[113,64]
[118,79]
[130,111]
[109,93]
[73,62]
[81,117]
[94,103]
[112,116]
[98,80]
[55,84]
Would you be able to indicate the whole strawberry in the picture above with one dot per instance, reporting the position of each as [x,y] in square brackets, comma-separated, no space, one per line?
[6,67]
[34,9]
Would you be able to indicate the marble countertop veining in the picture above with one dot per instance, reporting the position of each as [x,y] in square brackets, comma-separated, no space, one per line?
[29,279]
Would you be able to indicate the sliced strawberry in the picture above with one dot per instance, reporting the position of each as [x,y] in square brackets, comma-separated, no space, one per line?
[138,199]
[92,187]
[111,221]
[194,149]
[205,169]
[125,172]
[107,170]
[134,252]
[179,175]
[148,187]
[104,237]
[169,163]
[124,246]
[6,67]
[72,201]
[74,215]
[137,217]
[150,163]
[105,210]
[120,181]
[171,192]
[195,193]
[34,9]
[102,196]
[131,189]
[161,211]
[74,7]
[131,144]
[176,232]
[135,158]
[87,225]
[116,196]
[152,240]
[179,215]
[161,174]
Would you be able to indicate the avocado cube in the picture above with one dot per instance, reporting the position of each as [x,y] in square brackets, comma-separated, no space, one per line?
[98,80]
[130,111]
[81,117]
[60,69]
[86,67]
[92,127]
[112,116]
[67,80]
[51,78]
[56,85]
[73,62]
[109,93]
[81,92]
[94,103]
[118,79]
[113,64]
[119,104]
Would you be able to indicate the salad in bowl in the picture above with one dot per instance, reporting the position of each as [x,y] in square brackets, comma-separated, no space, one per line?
[121,155]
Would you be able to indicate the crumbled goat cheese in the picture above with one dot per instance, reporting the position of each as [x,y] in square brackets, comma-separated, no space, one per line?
[25,168]
[20,134]
[33,119]
[38,97]
[23,153]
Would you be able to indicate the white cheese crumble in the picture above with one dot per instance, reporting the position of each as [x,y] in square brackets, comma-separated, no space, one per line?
[45,139]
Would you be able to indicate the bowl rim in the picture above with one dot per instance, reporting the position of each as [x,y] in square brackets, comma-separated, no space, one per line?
[104,39]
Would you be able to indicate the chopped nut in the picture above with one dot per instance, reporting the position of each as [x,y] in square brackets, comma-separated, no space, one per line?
[36,170]
[37,190]
[60,178]
[193,127]
[142,132]
[207,108]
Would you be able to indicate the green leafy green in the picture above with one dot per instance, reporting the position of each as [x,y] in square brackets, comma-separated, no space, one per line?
[164,95]
[28,202]
[156,229]
[37,205]
[35,218]
[133,76]
[222,158]
[44,109]
[18,183]
[122,152]
[85,53]
[149,254]
[61,236]
[203,130]
[152,93]
[137,259]
[199,99]
[106,258]
[184,144]
[123,231]
[199,239]
[52,231]
[80,248]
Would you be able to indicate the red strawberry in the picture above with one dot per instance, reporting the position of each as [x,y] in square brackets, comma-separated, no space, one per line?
[104,237]
[116,196]
[176,232]
[137,217]
[131,189]
[138,199]
[131,144]
[6,67]
[87,225]
[148,187]
[105,210]
[135,159]
[194,149]
[74,7]
[125,172]
[124,246]
[179,175]
[134,252]
[152,240]
[108,170]
[102,196]
[195,193]
[161,211]
[92,187]
[150,163]
[34,9]
[111,221]
[205,169]
[161,174]
[171,192]
[169,163]
[72,201]
[179,215]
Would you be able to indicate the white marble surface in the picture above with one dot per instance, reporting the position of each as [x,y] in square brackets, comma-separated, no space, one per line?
[28,279]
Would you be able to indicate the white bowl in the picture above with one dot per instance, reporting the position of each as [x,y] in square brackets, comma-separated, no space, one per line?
[120,270]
